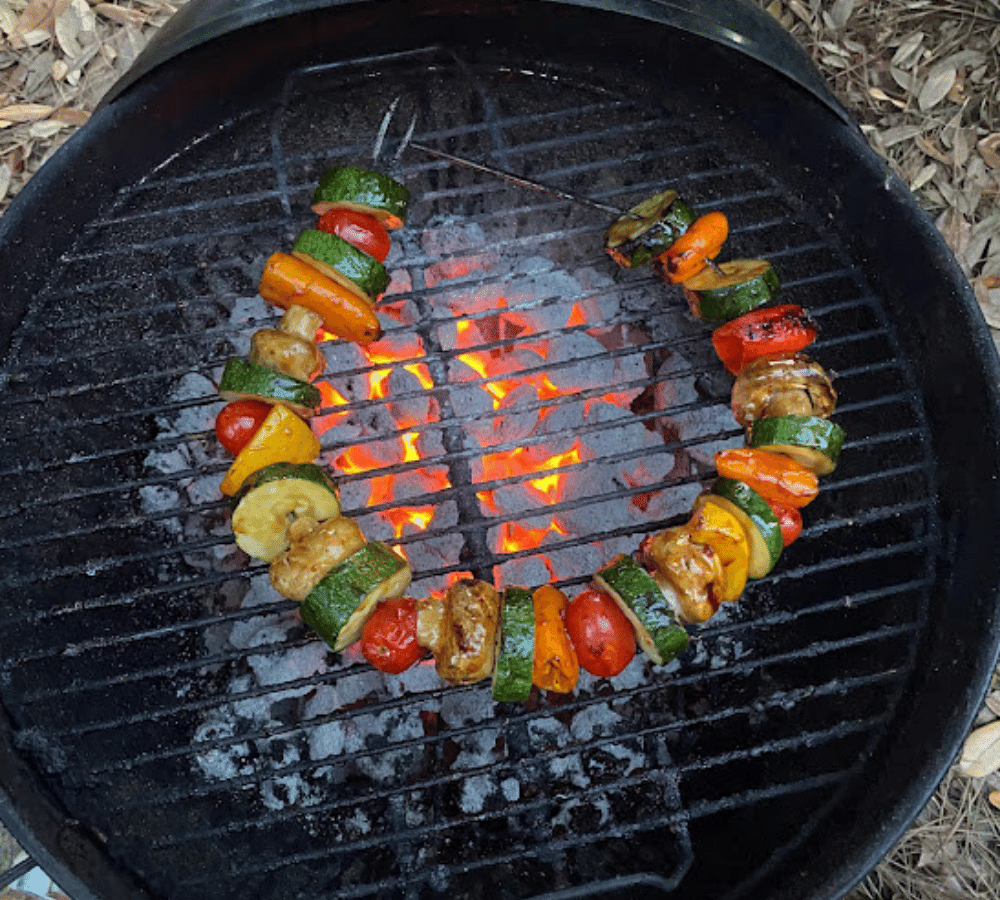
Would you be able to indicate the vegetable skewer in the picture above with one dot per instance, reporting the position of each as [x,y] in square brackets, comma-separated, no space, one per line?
[287,511]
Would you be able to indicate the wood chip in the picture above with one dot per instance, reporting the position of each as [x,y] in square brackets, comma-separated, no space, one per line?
[25,112]
[989,150]
[940,80]
[981,752]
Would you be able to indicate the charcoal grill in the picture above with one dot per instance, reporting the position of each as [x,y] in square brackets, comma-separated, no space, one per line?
[170,729]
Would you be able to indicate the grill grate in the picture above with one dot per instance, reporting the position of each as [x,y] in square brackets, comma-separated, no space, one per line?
[173,700]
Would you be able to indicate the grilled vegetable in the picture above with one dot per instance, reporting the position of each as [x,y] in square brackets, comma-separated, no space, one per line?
[789,520]
[251,381]
[289,281]
[773,476]
[314,549]
[343,262]
[345,599]
[647,229]
[389,638]
[690,253]
[362,230]
[757,518]
[764,332]
[273,497]
[238,421]
[648,605]
[555,667]
[515,652]
[732,289]
[781,386]
[359,189]
[286,354]
[282,437]
[459,628]
[712,524]
[810,440]
[692,569]
[600,632]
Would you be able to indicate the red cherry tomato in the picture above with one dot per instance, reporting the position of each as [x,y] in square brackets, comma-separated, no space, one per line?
[389,639]
[603,637]
[238,421]
[360,229]
[790,520]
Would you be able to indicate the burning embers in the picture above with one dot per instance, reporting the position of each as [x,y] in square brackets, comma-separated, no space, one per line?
[501,435]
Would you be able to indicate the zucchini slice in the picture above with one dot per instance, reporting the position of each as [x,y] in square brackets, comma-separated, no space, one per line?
[757,518]
[343,262]
[647,606]
[515,655]
[271,498]
[647,229]
[246,380]
[344,600]
[814,442]
[365,191]
[738,287]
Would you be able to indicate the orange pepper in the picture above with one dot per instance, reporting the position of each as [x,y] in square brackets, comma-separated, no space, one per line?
[690,253]
[556,667]
[717,527]
[773,476]
[289,281]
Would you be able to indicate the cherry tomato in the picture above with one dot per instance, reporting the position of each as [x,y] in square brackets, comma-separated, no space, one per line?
[238,421]
[360,229]
[790,520]
[603,637]
[389,639]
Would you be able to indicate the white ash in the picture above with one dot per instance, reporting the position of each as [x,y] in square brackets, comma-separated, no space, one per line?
[476,791]
[433,553]
[471,402]
[511,424]
[525,570]
[446,235]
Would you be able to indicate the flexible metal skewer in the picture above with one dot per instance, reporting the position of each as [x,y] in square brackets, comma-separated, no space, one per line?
[515,179]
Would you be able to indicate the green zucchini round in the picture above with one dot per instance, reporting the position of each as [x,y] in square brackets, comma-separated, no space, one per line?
[515,657]
[272,497]
[647,606]
[361,189]
[733,289]
[343,262]
[345,598]
[243,380]
[810,440]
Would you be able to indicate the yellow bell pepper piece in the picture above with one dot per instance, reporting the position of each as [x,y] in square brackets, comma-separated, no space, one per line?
[716,526]
[282,437]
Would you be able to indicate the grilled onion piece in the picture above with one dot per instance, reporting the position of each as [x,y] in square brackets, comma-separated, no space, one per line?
[460,630]
[788,385]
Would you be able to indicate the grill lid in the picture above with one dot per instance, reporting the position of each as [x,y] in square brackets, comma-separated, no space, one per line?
[193,737]
[739,25]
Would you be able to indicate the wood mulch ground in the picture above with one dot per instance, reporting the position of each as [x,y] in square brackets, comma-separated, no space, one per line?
[921,78]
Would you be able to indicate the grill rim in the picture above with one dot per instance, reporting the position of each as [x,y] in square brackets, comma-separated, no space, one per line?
[985,364]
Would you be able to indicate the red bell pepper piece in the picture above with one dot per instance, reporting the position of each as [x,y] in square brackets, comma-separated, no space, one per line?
[770,331]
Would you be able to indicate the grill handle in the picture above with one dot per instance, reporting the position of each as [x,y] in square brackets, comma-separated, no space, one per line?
[737,24]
